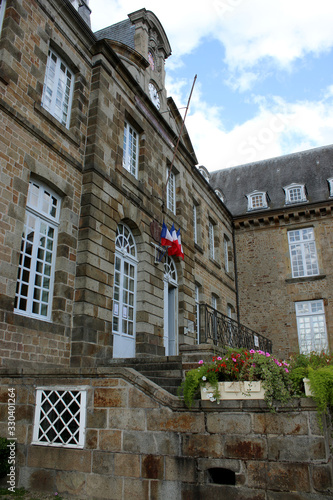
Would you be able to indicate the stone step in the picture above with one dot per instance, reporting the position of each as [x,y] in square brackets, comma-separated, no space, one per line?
[163,382]
[162,373]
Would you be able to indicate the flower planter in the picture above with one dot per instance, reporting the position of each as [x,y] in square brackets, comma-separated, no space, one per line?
[307,389]
[234,390]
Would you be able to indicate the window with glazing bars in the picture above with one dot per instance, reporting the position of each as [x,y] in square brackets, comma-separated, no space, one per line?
[131,149]
[171,192]
[211,240]
[58,88]
[60,417]
[311,326]
[34,287]
[303,254]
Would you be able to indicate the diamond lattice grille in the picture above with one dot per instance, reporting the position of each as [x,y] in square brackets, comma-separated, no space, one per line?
[60,415]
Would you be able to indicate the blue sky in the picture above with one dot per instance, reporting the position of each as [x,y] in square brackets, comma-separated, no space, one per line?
[264,73]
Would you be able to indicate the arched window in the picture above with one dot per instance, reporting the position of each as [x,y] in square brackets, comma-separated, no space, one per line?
[170,307]
[124,294]
[34,289]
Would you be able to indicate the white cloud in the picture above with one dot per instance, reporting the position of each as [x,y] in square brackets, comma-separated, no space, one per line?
[278,128]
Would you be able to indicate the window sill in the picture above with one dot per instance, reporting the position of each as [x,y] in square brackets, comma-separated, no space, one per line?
[215,263]
[304,279]
[57,124]
[197,247]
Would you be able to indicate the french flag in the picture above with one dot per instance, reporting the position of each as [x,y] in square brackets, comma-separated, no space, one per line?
[166,238]
[176,249]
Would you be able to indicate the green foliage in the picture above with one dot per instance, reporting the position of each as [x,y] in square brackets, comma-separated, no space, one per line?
[194,380]
[321,385]
[4,454]
[242,365]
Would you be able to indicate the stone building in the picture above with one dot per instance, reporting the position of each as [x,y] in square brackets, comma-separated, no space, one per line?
[88,126]
[282,213]
[90,169]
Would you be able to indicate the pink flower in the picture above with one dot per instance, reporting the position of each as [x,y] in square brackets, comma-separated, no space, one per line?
[200,362]
[267,354]
[234,360]
[219,358]
[286,370]
[252,351]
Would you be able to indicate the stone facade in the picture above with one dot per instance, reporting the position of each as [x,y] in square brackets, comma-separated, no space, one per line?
[268,288]
[83,164]
[142,442]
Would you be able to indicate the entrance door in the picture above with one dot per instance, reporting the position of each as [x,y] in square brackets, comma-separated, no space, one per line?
[170,308]
[124,294]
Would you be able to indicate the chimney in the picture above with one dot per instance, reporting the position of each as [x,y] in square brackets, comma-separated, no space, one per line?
[82,6]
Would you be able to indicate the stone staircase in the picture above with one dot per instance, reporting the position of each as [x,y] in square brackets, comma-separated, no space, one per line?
[165,371]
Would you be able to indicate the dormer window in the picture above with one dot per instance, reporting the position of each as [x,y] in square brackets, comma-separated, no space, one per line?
[295,193]
[204,172]
[257,200]
[330,184]
[219,194]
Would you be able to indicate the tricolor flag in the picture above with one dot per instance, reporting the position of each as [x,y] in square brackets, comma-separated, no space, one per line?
[172,240]
[166,238]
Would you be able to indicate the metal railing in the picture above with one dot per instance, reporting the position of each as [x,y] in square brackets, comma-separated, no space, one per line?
[218,329]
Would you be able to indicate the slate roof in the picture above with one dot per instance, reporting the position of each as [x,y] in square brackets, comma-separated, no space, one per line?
[312,168]
[121,32]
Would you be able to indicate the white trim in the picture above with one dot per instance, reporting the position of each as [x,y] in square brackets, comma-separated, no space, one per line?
[303,253]
[226,243]
[211,238]
[131,149]
[39,409]
[257,200]
[295,193]
[311,326]
[125,255]
[38,253]
[195,222]
[2,12]
[58,77]
[171,192]
[330,183]
[170,280]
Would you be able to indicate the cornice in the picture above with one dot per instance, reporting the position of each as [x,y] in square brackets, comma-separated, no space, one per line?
[285,216]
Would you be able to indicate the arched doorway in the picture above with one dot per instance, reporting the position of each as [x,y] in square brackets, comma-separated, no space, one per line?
[170,307]
[124,294]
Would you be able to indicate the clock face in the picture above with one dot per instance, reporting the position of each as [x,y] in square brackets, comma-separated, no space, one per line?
[154,95]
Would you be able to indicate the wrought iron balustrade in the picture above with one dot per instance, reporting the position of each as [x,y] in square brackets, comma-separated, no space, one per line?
[223,331]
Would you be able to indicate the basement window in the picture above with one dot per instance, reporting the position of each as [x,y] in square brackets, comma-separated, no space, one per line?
[60,417]
[219,475]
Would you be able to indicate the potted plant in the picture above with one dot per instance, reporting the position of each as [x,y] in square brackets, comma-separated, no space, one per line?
[313,374]
[243,368]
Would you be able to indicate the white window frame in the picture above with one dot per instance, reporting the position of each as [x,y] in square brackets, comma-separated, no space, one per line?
[126,253]
[226,243]
[35,280]
[204,172]
[257,200]
[50,414]
[55,99]
[2,12]
[131,149]
[219,195]
[303,253]
[171,192]
[211,236]
[195,224]
[311,326]
[290,192]
[330,183]
[197,311]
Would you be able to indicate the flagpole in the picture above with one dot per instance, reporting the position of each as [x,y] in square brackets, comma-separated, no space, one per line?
[176,148]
